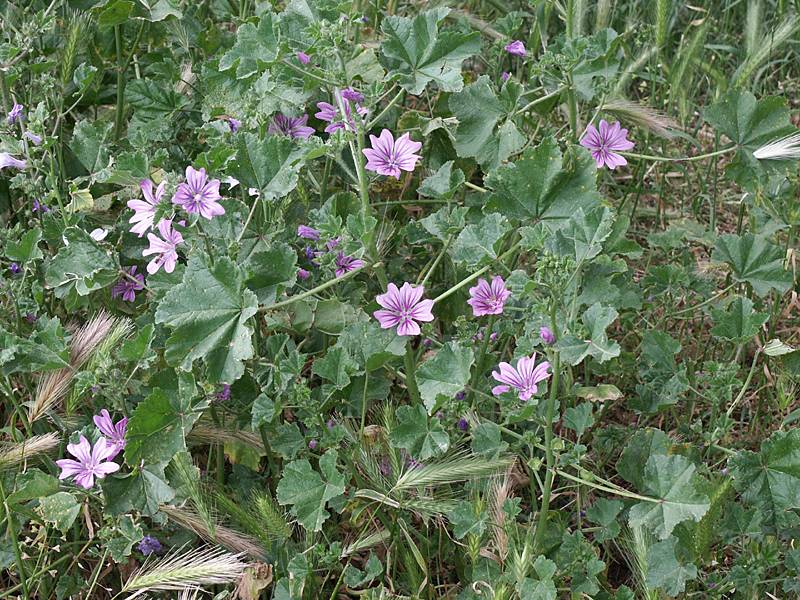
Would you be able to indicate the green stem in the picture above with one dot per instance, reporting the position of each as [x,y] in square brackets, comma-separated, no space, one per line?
[476,274]
[12,533]
[386,109]
[303,72]
[681,158]
[481,354]
[411,378]
[437,260]
[120,112]
[316,290]
[541,522]
[538,101]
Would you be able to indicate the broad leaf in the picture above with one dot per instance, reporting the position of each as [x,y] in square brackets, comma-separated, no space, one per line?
[208,313]
[26,249]
[416,52]
[753,259]
[254,47]
[61,509]
[672,481]
[142,490]
[583,236]
[739,322]
[336,366]
[485,130]
[271,270]
[423,438]
[665,570]
[153,100]
[90,143]
[442,184]
[308,492]
[479,241]
[750,123]
[270,165]
[597,318]
[81,265]
[44,349]
[543,185]
[770,478]
[443,376]
[157,428]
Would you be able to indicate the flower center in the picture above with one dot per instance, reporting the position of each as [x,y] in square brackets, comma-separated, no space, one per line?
[197,197]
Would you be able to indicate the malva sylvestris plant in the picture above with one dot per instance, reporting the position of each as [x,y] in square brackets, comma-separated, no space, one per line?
[449,327]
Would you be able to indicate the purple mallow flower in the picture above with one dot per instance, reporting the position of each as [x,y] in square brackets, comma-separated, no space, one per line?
[303,58]
[547,335]
[461,395]
[505,76]
[199,195]
[463,424]
[39,207]
[36,139]
[114,432]
[312,445]
[127,286]
[523,378]
[352,95]
[345,264]
[15,114]
[516,48]
[302,274]
[145,210]
[605,144]
[31,318]
[224,394]
[330,113]
[234,124]
[14,268]
[6,160]
[488,299]
[294,127]
[149,545]
[388,157]
[164,247]
[92,461]
[402,308]
[309,233]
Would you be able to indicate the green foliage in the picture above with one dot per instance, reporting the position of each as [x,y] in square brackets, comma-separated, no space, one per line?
[417,53]
[208,313]
[308,492]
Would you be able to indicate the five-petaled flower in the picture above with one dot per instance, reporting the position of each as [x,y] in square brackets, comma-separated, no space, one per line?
[114,432]
[127,285]
[523,378]
[164,248]
[92,461]
[388,157]
[294,127]
[516,48]
[145,210]
[303,58]
[199,195]
[605,143]
[402,308]
[345,264]
[488,298]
